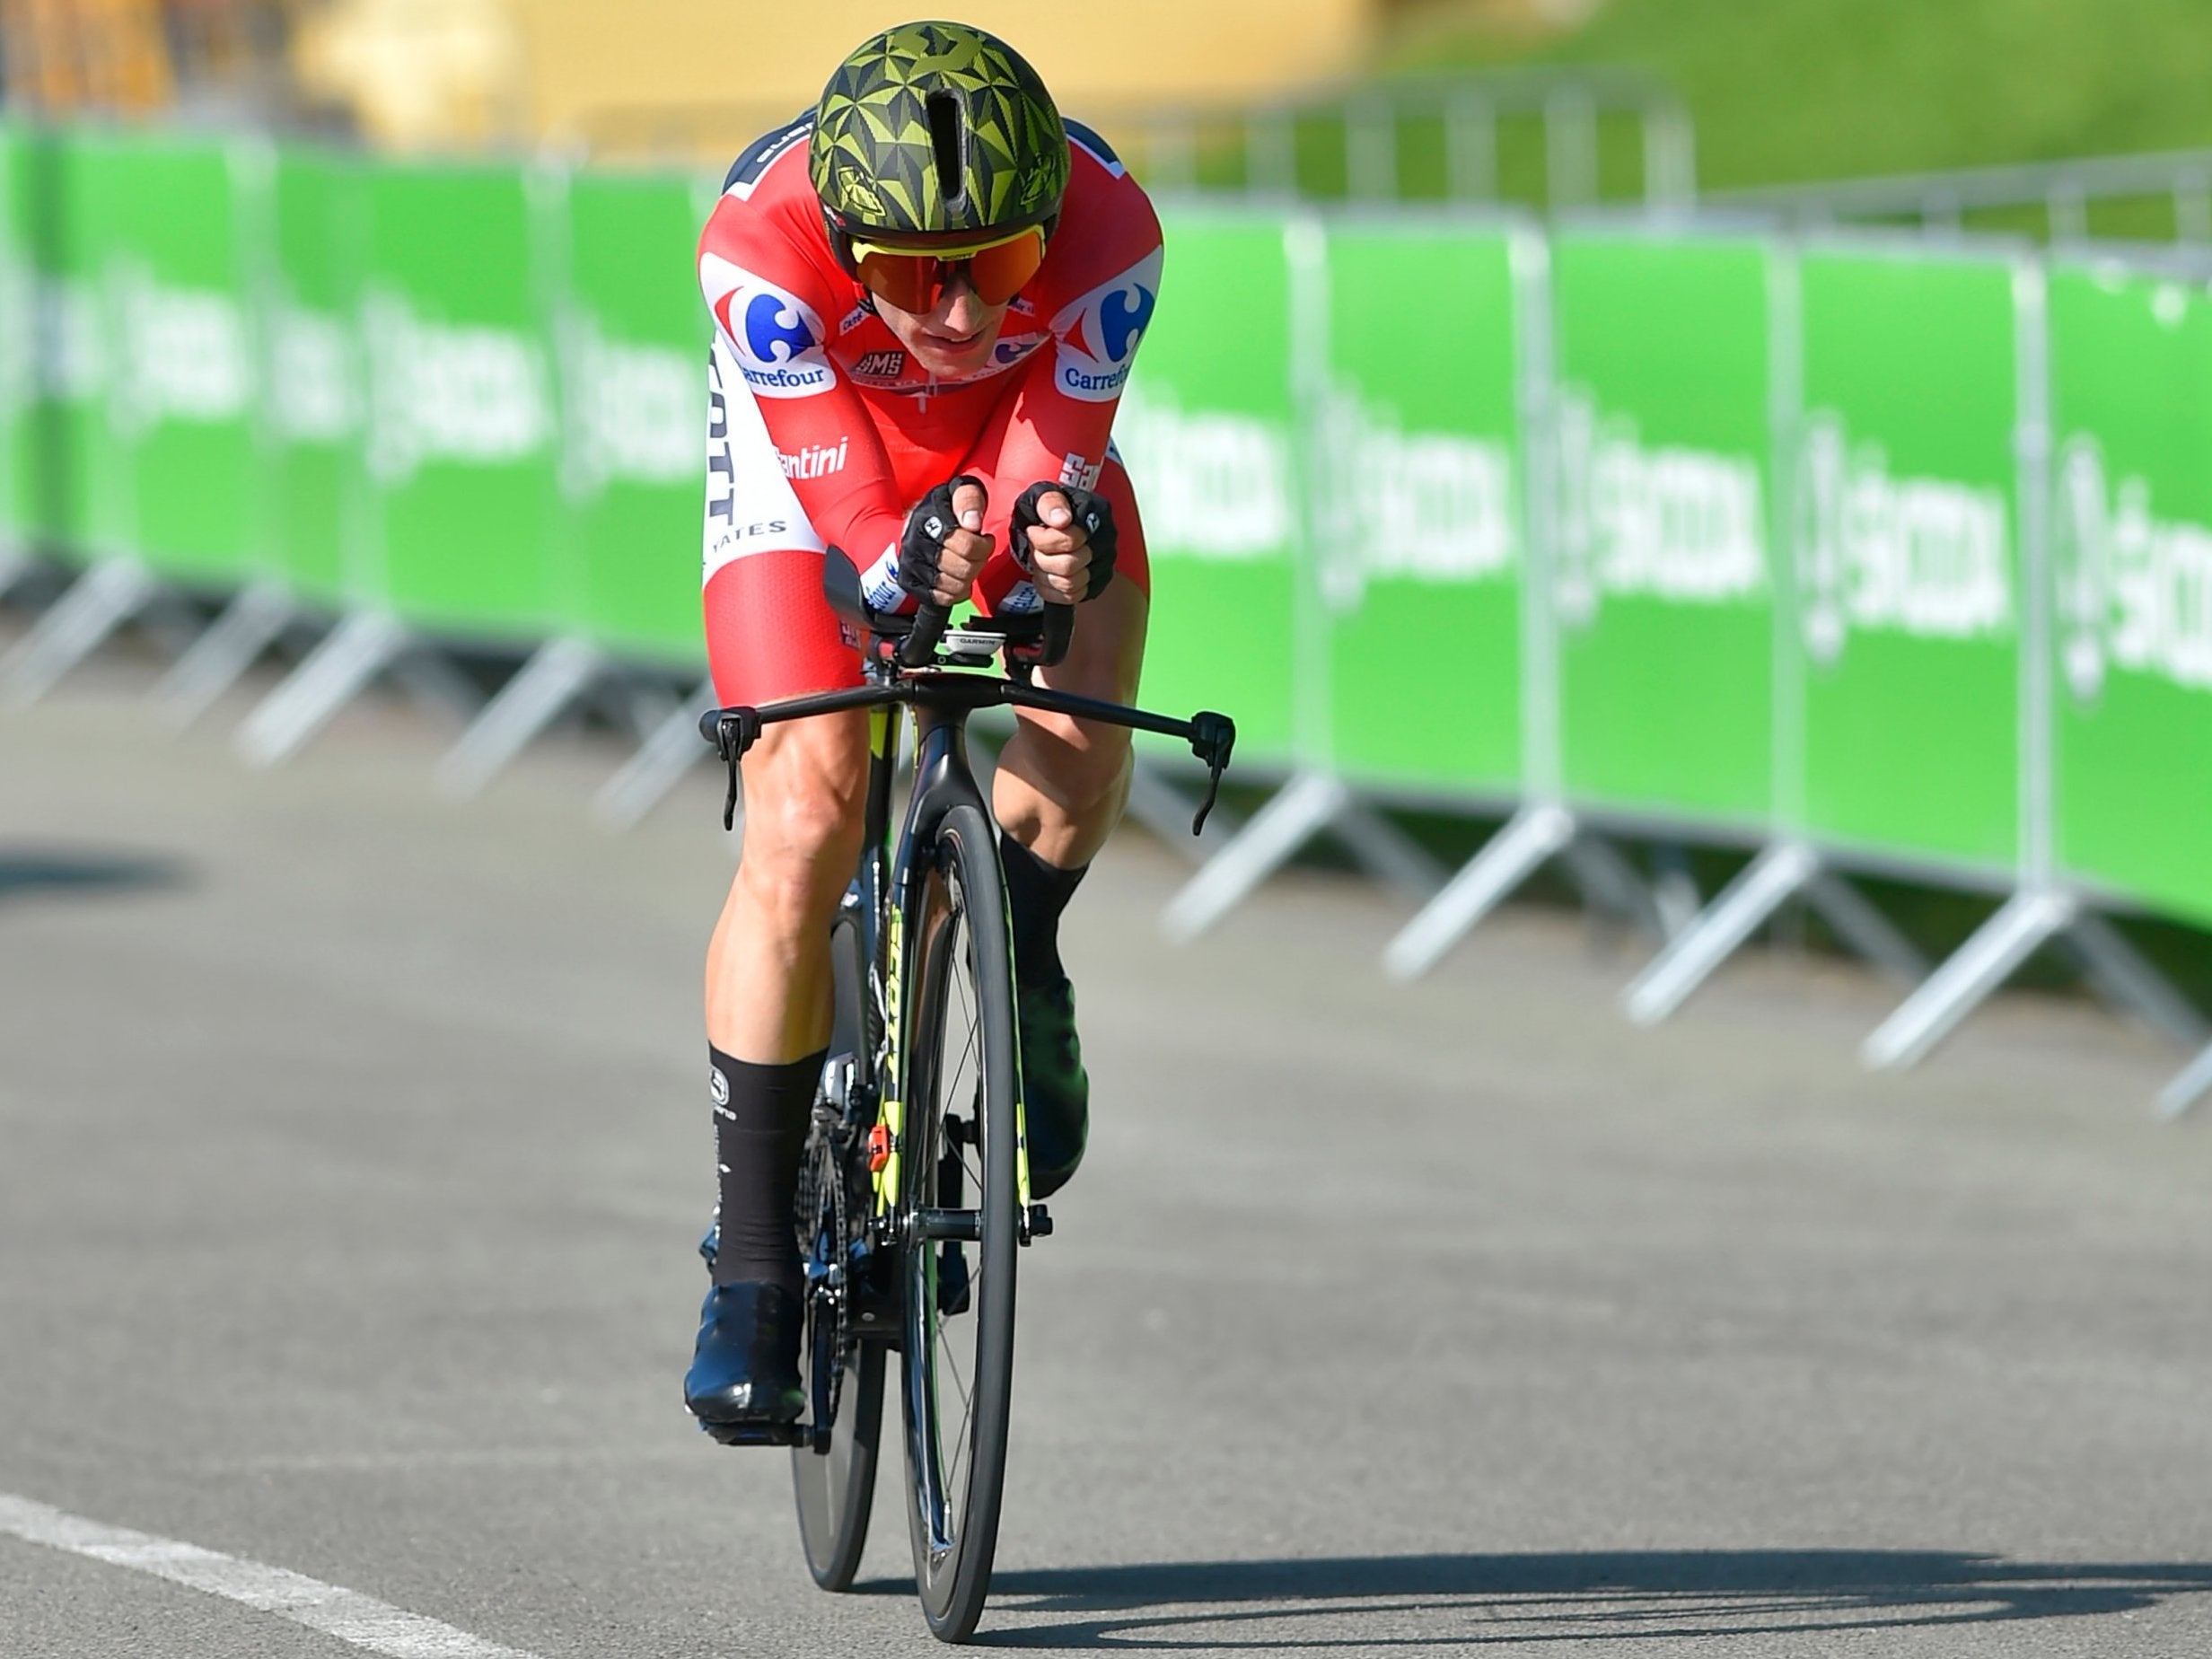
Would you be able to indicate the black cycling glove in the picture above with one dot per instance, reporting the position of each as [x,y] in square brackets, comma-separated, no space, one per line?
[1093,511]
[921,546]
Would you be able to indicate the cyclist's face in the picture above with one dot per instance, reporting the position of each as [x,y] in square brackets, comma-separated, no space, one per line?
[955,337]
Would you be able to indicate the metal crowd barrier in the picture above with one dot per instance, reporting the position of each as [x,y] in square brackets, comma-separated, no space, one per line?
[1864,555]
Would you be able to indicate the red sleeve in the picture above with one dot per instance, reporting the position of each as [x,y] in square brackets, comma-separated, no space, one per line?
[769,301]
[1053,426]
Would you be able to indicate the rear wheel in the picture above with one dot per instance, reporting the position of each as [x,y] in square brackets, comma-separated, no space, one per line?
[959,1191]
[835,1485]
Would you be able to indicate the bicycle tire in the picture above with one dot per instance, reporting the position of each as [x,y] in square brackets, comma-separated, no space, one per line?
[835,1487]
[962,1054]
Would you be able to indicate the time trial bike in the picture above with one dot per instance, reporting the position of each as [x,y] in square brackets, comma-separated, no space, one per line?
[914,1193]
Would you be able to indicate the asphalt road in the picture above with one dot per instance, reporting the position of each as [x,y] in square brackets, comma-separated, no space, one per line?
[353,1146]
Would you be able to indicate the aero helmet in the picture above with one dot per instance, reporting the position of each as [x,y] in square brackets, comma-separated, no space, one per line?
[936,129]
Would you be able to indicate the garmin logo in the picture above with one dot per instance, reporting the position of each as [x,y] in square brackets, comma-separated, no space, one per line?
[449,392]
[1924,557]
[631,415]
[1427,507]
[1215,487]
[187,351]
[2134,592]
[1668,523]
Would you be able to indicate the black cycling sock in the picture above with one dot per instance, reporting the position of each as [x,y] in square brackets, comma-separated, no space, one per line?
[1036,892]
[760,1117]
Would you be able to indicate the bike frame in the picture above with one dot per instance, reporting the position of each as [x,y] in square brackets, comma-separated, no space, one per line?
[888,877]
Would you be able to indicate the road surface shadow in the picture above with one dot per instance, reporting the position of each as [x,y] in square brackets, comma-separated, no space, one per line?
[28,874]
[1472,1601]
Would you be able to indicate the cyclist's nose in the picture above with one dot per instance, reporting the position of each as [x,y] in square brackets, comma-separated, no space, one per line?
[960,308]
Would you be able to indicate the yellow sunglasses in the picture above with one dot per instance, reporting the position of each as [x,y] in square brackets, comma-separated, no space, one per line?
[912,278]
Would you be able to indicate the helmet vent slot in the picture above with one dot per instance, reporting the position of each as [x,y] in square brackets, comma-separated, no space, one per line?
[947,135]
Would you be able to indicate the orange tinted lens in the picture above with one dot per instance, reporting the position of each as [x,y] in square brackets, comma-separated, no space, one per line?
[999,273]
[907,280]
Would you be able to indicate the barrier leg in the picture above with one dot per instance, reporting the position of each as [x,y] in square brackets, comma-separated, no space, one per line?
[220,657]
[1985,961]
[2186,1090]
[1386,852]
[1864,928]
[1301,810]
[1508,858]
[556,675]
[97,603]
[1610,883]
[331,675]
[673,749]
[2119,975]
[1766,884]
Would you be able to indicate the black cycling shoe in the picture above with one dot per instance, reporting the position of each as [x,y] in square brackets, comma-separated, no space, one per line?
[745,1371]
[1056,1092]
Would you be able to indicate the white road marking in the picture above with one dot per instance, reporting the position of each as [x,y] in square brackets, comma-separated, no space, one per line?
[350,1616]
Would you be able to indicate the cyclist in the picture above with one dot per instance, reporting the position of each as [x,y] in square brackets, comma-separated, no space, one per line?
[928,294]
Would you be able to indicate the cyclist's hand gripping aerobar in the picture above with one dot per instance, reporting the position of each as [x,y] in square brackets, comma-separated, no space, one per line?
[944,548]
[1064,538]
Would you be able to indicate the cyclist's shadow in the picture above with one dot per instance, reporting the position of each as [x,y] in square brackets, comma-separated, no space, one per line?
[1473,1601]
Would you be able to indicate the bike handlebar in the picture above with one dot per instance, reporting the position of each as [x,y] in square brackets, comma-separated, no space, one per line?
[735,729]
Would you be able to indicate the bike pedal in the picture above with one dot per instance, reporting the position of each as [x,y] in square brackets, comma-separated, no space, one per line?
[1036,1223]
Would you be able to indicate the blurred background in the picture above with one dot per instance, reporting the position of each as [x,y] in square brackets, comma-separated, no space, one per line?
[1791,92]
[1734,472]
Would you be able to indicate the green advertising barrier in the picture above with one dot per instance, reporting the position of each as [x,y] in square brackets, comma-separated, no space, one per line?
[1909,599]
[316,403]
[161,214]
[632,337]
[1663,578]
[463,507]
[2131,566]
[78,485]
[1207,427]
[19,366]
[1415,451]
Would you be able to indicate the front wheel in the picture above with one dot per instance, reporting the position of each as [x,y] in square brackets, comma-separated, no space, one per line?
[958,1214]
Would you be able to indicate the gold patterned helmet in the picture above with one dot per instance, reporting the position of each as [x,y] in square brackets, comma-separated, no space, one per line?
[937,127]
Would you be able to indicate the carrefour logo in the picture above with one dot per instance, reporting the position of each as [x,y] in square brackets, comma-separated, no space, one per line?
[1099,334]
[2134,590]
[1925,557]
[774,330]
[777,335]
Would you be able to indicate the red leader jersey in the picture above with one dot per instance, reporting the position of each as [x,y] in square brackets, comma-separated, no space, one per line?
[862,431]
